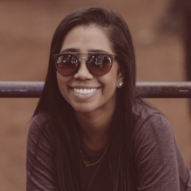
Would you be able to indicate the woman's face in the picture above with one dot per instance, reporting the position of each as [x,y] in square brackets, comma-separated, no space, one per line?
[84,91]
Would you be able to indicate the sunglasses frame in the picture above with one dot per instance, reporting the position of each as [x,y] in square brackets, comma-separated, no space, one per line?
[111,56]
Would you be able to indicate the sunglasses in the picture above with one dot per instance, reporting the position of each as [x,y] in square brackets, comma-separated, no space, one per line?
[98,64]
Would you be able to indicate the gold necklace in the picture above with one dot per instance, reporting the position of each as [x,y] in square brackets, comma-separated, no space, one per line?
[88,164]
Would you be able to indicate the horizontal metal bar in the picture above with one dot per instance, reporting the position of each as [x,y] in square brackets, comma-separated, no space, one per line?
[21,89]
[163,89]
[10,89]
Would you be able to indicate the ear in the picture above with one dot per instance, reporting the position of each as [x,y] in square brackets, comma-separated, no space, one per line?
[120,80]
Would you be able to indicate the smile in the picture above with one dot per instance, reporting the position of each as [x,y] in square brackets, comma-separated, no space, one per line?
[84,90]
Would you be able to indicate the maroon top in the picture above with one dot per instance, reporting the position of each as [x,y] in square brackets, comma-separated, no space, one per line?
[159,164]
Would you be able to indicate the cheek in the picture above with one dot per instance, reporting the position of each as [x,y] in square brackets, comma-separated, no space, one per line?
[114,76]
[110,82]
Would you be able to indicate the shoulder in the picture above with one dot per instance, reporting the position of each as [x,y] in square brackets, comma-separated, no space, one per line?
[144,113]
[39,129]
[38,121]
[143,110]
[151,126]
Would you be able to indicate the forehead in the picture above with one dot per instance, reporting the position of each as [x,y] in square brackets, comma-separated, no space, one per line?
[87,38]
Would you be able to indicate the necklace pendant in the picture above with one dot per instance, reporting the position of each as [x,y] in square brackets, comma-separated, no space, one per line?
[86,163]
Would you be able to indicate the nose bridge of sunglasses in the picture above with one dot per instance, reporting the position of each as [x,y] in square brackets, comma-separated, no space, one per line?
[82,57]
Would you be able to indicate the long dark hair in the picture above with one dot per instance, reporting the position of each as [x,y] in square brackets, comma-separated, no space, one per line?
[64,130]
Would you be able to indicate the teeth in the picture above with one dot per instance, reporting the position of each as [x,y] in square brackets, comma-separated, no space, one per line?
[84,91]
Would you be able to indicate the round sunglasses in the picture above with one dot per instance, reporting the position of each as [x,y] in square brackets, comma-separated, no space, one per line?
[98,64]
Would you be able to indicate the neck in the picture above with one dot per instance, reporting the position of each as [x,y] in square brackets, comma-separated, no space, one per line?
[95,128]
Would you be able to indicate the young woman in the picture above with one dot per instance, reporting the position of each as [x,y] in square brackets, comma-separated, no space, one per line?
[89,131]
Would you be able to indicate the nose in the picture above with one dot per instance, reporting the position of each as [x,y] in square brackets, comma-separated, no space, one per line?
[83,72]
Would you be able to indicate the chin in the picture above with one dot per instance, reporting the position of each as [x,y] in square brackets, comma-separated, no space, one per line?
[84,108]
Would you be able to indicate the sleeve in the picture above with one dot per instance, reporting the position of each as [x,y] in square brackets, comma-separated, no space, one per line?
[39,166]
[155,155]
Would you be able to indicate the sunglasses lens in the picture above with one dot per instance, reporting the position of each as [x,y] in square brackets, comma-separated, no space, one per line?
[67,64]
[99,64]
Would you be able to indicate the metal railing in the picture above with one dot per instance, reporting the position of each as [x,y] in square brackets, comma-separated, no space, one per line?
[10,89]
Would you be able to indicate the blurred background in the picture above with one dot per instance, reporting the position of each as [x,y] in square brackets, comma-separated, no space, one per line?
[25,35]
